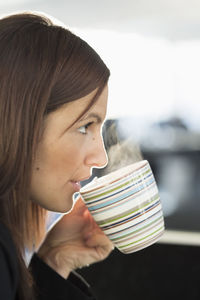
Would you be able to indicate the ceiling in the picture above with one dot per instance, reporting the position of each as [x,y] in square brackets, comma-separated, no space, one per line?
[172,19]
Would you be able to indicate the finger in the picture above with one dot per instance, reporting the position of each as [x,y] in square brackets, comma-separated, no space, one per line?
[79,206]
[90,218]
[99,240]
[88,228]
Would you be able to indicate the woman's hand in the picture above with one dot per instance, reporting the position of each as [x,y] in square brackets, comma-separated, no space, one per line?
[75,241]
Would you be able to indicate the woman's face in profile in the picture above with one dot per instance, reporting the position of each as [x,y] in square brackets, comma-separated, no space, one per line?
[66,154]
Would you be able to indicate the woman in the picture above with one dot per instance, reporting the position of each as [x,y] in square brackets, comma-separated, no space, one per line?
[53,99]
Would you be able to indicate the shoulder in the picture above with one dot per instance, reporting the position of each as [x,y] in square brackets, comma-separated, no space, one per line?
[48,283]
[8,264]
[6,241]
[7,245]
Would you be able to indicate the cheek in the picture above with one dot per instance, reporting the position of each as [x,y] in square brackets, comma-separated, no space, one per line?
[61,157]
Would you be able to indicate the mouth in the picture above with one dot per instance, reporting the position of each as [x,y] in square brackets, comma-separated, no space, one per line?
[76,185]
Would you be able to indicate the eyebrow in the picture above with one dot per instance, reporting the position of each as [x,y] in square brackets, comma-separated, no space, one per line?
[92,115]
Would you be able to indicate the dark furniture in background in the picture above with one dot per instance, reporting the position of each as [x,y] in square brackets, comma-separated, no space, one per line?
[160,272]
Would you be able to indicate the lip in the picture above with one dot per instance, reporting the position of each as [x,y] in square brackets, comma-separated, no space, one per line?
[76,185]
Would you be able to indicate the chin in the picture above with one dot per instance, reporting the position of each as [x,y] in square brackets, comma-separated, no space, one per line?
[60,206]
[63,207]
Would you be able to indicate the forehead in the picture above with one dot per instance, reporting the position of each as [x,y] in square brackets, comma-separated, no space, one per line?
[99,107]
[76,108]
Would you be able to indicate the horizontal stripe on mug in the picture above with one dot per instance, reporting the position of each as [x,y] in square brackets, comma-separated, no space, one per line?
[112,195]
[134,210]
[124,204]
[136,227]
[129,184]
[142,237]
[124,195]
[134,221]
[117,184]
[101,183]
[135,216]
[145,239]
[143,245]
[148,229]
[161,228]
[124,234]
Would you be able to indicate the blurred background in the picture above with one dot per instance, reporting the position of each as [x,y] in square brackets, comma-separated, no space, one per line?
[152,48]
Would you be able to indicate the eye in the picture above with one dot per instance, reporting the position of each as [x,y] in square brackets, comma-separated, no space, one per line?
[83,129]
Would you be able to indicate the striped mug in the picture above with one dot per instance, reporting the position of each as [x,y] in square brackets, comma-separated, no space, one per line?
[126,206]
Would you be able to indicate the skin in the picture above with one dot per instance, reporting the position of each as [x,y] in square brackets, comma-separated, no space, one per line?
[66,154]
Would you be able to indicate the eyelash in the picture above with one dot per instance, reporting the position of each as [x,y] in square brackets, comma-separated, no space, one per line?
[85,127]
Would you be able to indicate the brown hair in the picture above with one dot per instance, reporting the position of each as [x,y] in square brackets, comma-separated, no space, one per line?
[42,66]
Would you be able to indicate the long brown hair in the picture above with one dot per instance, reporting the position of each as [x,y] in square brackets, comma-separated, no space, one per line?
[42,66]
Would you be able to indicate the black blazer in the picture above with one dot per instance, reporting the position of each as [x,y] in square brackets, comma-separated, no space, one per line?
[49,284]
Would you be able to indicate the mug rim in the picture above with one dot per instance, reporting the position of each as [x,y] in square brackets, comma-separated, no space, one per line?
[88,188]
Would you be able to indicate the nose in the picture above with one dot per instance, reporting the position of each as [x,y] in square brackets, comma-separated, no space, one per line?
[97,156]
